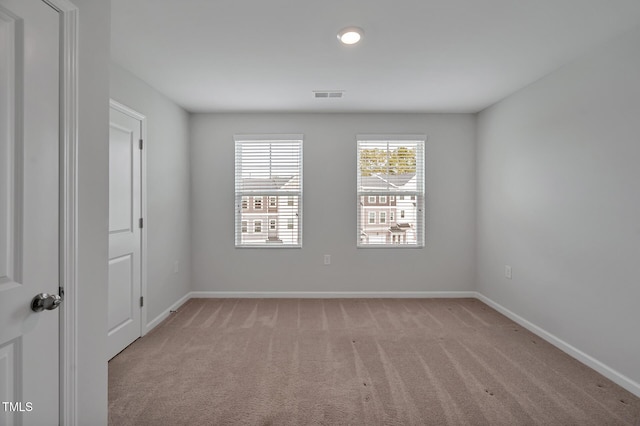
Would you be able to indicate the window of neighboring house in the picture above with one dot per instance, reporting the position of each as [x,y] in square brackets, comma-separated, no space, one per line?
[391,166]
[268,167]
[372,199]
[244,226]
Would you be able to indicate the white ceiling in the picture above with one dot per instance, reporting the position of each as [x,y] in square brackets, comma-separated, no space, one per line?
[416,55]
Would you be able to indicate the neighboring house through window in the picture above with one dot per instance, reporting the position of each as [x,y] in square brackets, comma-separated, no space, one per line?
[391,170]
[268,171]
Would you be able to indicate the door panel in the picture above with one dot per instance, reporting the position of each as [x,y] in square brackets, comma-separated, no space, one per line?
[121,297]
[29,210]
[124,232]
[120,179]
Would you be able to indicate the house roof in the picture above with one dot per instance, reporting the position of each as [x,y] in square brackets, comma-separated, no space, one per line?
[385,181]
[265,184]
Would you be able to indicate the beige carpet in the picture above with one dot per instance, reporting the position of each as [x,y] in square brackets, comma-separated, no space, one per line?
[354,361]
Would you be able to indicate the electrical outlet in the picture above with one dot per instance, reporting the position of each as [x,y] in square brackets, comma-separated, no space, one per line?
[327,259]
[507,271]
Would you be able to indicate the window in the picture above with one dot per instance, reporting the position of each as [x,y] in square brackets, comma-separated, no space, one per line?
[244,226]
[268,168]
[372,200]
[391,168]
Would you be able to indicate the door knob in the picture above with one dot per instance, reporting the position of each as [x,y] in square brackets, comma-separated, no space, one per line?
[46,301]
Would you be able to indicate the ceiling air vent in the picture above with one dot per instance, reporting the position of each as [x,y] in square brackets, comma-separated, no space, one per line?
[328,93]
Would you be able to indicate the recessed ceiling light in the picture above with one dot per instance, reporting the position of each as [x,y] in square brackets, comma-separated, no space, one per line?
[350,35]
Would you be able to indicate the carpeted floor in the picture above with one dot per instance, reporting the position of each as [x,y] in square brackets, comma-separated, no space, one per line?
[354,361]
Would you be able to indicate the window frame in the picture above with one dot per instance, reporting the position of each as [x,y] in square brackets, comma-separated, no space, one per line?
[399,195]
[294,194]
[371,219]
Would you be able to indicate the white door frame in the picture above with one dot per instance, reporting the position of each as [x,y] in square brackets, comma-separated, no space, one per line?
[68,209]
[143,208]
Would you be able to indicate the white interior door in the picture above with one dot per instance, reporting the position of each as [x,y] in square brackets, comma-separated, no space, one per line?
[125,203]
[29,211]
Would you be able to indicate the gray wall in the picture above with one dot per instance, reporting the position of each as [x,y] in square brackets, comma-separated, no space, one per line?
[168,201]
[558,200]
[93,210]
[446,264]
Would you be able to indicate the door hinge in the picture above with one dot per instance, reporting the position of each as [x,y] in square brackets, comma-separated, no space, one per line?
[141,301]
[141,143]
[140,223]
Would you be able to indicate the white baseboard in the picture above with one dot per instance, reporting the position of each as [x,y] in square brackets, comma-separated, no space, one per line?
[332,294]
[611,374]
[157,320]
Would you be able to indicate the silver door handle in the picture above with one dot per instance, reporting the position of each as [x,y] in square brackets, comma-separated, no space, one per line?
[46,301]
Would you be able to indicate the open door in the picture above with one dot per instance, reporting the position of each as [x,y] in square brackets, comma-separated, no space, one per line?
[125,227]
[29,212]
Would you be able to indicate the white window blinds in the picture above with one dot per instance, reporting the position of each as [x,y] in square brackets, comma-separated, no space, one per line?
[268,191]
[390,191]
